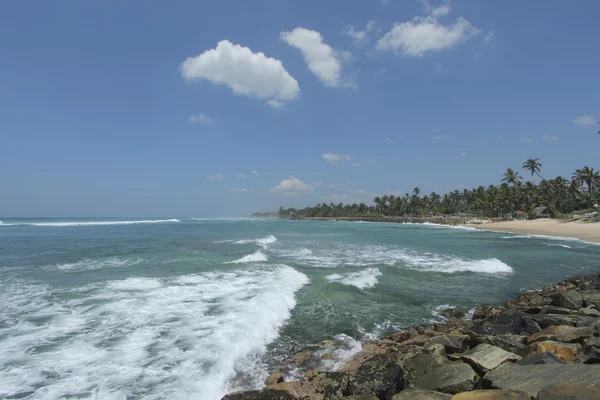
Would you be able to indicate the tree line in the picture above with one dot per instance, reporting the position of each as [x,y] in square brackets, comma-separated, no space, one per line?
[561,195]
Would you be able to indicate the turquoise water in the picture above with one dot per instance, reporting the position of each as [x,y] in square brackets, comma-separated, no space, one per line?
[194,308]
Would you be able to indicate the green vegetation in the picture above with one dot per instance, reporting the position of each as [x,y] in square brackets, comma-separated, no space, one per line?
[561,195]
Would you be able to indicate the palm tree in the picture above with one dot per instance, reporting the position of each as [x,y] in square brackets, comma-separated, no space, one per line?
[588,176]
[511,176]
[533,165]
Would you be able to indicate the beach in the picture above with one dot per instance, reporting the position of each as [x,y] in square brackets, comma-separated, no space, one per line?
[589,232]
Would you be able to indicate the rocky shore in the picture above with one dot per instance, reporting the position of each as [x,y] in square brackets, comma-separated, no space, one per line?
[543,345]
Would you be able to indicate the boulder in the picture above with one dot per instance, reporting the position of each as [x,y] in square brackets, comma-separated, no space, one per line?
[417,394]
[380,375]
[565,391]
[302,357]
[546,320]
[451,343]
[589,312]
[556,310]
[511,322]
[265,394]
[591,298]
[570,299]
[495,394]
[591,349]
[508,342]
[433,371]
[275,377]
[528,300]
[483,311]
[540,358]
[453,313]
[532,378]
[362,397]
[561,333]
[485,357]
[316,386]
[568,352]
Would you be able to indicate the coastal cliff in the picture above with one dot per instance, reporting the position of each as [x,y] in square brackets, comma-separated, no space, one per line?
[541,345]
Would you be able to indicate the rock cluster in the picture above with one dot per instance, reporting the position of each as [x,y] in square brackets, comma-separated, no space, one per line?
[542,345]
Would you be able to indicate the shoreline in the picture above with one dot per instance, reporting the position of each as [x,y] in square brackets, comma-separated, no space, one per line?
[538,344]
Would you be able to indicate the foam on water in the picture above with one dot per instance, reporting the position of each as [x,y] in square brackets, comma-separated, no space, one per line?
[559,245]
[90,264]
[263,242]
[257,256]
[179,338]
[362,279]
[91,223]
[344,348]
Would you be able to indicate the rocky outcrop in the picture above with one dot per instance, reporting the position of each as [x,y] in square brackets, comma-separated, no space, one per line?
[542,345]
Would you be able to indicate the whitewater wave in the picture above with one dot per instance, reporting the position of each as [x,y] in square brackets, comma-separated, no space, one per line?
[263,242]
[90,265]
[343,349]
[91,223]
[362,279]
[139,338]
[559,245]
[517,237]
[257,256]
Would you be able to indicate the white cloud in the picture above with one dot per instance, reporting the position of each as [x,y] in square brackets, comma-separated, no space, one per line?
[335,185]
[359,191]
[241,190]
[438,137]
[526,139]
[586,120]
[245,72]
[498,138]
[359,37]
[550,138]
[334,158]
[394,192]
[275,103]
[322,60]
[356,164]
[439,11]
[491,35]
[334,196]
[462,155]
[255,172]
[217,177]
[292,184]
[425,34]
[439,68]
[241,176]
[202,119]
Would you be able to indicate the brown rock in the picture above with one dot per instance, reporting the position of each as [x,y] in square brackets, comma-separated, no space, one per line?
[589,312]
[485,357]
[492,395]
[275,377]
[265,394]
[565,391]
[317,386]
[302,357]
[591,298]
[483,311]
[418,394]
[529,300]
[568,352]
[561,333]
[327,356]
[570,299]
[452,344]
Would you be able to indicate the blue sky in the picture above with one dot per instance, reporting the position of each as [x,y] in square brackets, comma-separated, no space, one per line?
[120,108]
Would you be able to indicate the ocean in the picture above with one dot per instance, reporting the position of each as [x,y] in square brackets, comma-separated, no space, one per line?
[193,308]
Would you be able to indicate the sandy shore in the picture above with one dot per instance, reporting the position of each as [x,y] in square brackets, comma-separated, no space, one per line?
[589,232]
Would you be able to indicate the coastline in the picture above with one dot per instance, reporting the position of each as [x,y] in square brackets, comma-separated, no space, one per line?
[539,345]
[585,231]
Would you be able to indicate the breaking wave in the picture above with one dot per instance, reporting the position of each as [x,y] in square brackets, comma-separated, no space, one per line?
[263,242]
[362,279]
[257,256]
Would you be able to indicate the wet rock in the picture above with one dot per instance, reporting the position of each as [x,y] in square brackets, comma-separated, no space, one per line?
[528,300]
[452,344]
[568,352]
[265,394]
[495,394]
[362,397]
[546,320]
[540,358]
[317,386]
[565,391]
[591,349]
[380,376]
[570,299]
[561,333]
[532,378]
[302,357]
[433,371]
[483,311]
[506,322]
[589,312]
[592,298]
[511,343]
[275,377]
[418,394]
[485,357]
[453,313]
[556,310]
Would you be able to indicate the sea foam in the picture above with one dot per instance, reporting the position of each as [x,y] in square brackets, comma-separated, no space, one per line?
[362,279]
[257,256]
[178,338]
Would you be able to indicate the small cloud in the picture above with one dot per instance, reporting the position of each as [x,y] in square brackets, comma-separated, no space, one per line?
[438,137]
[380,71]
[240,190]
[275,103]
[526,139]
[439,68]
[334,158]
[334,196]
[335,185]
[434,130]
[498,139]
[201,119]
[356,164]
[462,155]
[292,184]
[359,191]
[586,120]
[388,139]
[359,37]
[255,172]
[394,192]
[550,138]
[491,35]
[217,177]
[241,176]
[439,11]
